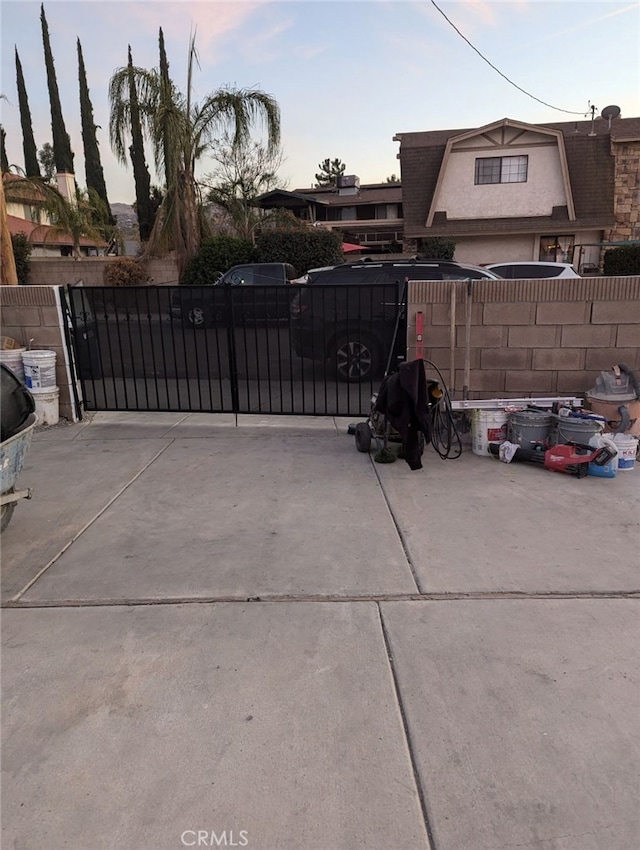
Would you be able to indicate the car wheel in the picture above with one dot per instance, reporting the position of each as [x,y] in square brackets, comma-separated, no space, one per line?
[363,437]
[356,358]
[196,316]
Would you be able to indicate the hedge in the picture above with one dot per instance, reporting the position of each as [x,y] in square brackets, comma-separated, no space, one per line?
[625,260]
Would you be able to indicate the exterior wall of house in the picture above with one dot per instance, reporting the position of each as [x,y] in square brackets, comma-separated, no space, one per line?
[507,248]
[531,337]
[32,315]
[28,212]
[459,197]
[495,249]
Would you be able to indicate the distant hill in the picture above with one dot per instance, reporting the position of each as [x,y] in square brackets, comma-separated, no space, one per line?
[122,209]
[128,225]
[126,218]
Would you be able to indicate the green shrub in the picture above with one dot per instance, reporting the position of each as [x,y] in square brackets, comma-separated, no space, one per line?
[436,248]
[21,252]
[124,271]
[304,249]
[625,260]
[217,254]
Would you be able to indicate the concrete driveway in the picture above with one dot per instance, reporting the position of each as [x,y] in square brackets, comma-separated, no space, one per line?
[248,634]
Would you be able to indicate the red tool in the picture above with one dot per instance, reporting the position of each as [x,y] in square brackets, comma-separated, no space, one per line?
[573,458]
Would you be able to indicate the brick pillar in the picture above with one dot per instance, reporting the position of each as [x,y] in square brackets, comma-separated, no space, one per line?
[627,191]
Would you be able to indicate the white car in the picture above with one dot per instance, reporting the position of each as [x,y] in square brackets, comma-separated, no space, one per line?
[526,269]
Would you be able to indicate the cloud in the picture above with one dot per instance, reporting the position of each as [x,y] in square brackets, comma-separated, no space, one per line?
[310,51]
[213,21]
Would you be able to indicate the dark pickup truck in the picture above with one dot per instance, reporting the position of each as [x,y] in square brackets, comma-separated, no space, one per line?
[252,292]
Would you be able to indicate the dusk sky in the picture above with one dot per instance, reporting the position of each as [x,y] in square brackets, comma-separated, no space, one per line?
[347,75]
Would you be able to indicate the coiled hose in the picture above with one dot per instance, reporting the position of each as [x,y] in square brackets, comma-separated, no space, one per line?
[445,437]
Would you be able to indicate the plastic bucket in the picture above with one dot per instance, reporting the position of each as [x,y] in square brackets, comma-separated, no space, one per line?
[40,371]
[627,450]
[12,359]
[487,426]
[529,428]
[48,407]
[570,429]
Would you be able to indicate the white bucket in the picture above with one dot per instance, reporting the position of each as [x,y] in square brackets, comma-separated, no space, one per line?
[12,359]
[627,450]
[48,407]
[487,426]
[40,371]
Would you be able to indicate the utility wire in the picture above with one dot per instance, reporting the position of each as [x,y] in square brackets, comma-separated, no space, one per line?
[528,94]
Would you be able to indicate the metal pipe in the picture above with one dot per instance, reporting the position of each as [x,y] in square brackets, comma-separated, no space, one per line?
[452,339]
[467,341]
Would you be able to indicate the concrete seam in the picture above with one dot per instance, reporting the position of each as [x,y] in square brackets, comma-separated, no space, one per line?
[142,601]
[30,584]
[403,542]
[407,735]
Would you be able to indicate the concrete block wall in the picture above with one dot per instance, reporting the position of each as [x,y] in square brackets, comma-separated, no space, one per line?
[528,337]
[61,271]
[32,315]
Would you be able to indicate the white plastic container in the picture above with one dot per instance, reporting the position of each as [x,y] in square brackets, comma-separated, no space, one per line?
[627,446]
[47,407]
[487,426]
[12,359]
[40,371]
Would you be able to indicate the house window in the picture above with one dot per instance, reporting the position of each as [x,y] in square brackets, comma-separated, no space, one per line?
[557,249]
[348,214]
[501,169]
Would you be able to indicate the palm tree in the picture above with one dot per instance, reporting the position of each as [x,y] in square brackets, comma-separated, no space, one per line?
[173,122]
[77,218]
[87,215]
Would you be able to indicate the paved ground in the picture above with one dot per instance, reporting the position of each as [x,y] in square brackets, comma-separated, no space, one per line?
[252,635]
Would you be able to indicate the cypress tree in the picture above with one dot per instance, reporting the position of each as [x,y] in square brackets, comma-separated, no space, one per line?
[4,162]
[92,163]
[61,142]
[138,161]
[31,167]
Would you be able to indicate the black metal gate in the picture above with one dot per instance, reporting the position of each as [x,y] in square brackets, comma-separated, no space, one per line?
[282,349]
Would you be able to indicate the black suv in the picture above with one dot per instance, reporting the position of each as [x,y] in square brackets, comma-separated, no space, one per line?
[351,315]
[253,291]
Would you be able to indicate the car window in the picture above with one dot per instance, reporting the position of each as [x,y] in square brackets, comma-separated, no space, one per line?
[354,276]
[268,275]
[504,271]
[525,271]
[242,276]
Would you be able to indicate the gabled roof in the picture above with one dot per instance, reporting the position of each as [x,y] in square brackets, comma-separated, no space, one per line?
[590,167]
[486,131]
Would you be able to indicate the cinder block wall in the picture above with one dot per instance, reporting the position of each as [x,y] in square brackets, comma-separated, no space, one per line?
[32,315]
[529,337]
[59,271]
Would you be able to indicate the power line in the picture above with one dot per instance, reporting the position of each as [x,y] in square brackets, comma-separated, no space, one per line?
[528,94]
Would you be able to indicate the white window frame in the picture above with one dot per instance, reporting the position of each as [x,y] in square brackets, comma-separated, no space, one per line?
[508,169]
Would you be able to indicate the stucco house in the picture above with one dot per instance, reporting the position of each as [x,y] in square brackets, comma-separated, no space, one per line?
[26,214]
[516,191]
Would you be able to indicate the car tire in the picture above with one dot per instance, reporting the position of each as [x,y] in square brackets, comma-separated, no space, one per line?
[197,316]
[356,358]
[363,437]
